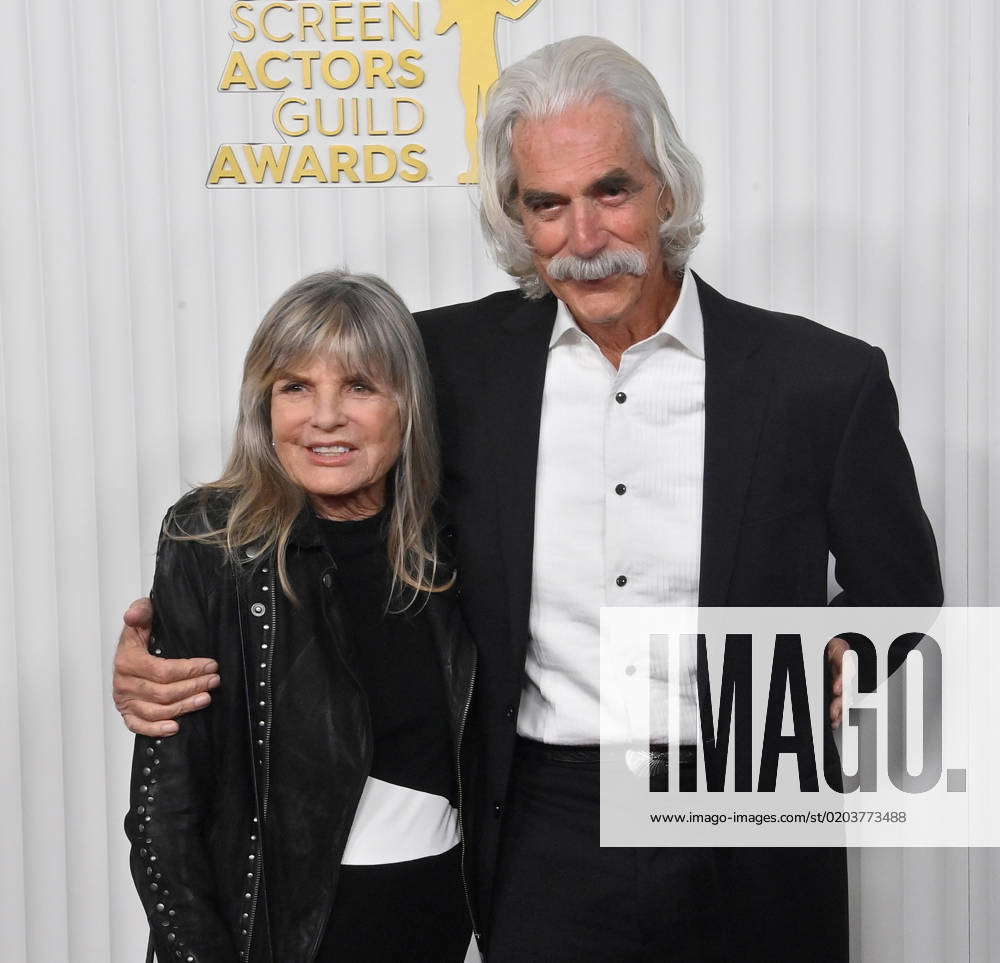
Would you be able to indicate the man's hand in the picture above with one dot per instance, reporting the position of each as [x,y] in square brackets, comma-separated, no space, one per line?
[835,650]
[150,692]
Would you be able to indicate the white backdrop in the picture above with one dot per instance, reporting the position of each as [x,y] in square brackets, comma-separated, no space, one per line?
[850,151]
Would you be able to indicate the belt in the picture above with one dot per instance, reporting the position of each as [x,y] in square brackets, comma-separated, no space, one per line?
[591,755]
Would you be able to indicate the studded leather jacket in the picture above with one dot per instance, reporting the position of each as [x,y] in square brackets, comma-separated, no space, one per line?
[238,823]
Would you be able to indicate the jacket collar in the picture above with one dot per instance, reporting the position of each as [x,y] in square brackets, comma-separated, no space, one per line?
[305,530]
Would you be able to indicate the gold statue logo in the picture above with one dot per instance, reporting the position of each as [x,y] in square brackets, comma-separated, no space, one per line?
[478,67]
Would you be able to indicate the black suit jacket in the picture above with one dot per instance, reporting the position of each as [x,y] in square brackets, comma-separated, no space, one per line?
[803,457]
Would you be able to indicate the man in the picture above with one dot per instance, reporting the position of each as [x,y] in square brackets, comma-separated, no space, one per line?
[637,439]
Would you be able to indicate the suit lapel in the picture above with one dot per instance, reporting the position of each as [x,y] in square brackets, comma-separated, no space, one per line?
[515,378]
[737,384]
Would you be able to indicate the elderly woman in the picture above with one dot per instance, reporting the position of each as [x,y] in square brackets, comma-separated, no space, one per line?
[314,811]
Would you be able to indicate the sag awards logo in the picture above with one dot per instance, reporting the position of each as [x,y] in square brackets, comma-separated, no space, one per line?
[362,92]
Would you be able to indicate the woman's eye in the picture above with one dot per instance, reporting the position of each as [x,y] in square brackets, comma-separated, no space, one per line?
[361,387]
[290,387]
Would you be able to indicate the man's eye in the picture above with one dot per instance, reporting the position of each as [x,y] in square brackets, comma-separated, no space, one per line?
[543,207]
[546,212]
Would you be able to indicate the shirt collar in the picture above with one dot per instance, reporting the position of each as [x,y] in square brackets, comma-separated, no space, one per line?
[684,325]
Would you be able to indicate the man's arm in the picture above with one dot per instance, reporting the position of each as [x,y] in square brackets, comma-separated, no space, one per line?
[151,692]
[879,535]
[881,538]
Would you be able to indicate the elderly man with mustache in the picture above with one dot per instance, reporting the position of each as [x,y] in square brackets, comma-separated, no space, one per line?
[617,432]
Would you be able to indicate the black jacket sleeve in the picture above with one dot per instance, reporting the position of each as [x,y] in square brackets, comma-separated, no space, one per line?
[879,535]
[172,778]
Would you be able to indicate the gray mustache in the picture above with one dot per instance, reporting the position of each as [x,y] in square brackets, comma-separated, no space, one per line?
[573,268]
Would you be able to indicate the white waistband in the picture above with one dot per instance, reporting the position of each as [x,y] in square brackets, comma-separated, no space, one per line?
[394,824]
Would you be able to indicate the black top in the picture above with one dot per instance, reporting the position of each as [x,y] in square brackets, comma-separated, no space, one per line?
[396,662]
[412,910]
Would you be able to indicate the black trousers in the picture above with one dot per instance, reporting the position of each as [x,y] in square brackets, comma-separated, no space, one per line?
[560,897]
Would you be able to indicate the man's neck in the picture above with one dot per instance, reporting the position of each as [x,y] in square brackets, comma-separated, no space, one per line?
[614,338]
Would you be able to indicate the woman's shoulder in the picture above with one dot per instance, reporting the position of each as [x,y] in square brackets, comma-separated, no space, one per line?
[199,513]
[193,533]
[193,582]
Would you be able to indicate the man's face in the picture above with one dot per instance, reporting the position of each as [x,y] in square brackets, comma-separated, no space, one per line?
[584,188]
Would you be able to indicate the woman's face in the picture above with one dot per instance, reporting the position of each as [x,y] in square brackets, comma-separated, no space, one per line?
[337,435]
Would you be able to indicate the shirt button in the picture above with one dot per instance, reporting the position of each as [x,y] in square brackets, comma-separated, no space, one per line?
[509,712]
[620,489]
[630,670]
[498,809]
[327,580]
[257,609]
[621,581]
[620,397]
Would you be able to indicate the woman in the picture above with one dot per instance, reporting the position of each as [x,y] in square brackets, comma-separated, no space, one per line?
[314,812]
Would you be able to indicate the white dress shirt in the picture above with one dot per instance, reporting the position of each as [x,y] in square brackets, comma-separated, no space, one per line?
[618,501]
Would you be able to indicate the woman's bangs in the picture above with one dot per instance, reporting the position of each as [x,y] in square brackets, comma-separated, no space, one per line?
[357,349]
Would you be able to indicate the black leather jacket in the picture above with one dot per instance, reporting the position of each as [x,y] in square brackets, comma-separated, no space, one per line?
[238,823]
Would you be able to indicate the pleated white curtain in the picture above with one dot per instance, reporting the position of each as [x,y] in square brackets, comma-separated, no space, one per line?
[851,158]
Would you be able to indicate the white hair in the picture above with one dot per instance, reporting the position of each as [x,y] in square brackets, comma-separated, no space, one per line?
[546,83]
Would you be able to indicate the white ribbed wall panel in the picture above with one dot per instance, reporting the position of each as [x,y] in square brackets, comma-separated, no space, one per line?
[851,160]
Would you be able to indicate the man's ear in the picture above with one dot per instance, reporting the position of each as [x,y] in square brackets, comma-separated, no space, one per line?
[664,203]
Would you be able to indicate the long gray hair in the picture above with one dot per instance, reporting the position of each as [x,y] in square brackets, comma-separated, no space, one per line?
[544,84]
[360,321]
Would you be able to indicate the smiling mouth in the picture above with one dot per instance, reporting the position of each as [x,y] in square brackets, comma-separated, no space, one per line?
[330,449]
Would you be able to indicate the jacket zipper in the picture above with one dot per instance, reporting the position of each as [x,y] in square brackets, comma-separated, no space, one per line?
[458,773]
[270,700]
[266,767]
